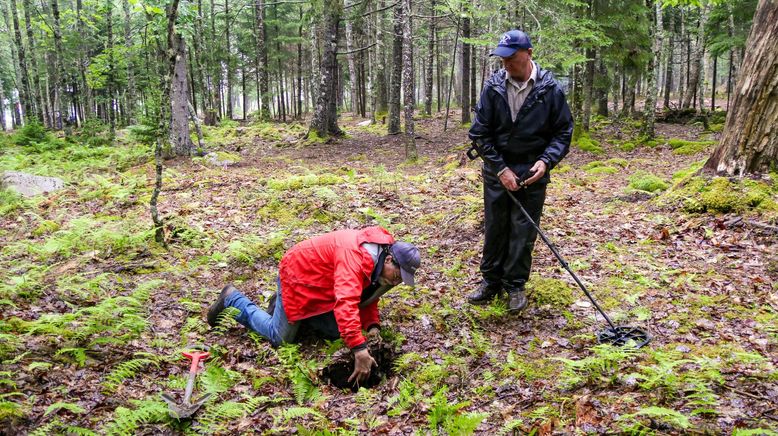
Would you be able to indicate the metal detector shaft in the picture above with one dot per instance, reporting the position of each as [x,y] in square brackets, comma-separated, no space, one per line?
[545,239]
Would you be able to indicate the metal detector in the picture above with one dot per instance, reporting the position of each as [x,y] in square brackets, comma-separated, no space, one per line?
[613,334]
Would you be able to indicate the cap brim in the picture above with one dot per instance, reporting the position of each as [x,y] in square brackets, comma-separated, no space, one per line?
[503,52]
[407,277]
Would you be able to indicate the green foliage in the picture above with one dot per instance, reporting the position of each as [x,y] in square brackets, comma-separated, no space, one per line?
[586,143]
[33,133]
[60,405]
[631,422]
[128,421]
[252,248]
[553,292]
[129,369]
[306,181]
[10,201]
[643,181]
[599,167]
[216,416]
[302,373]
[448,417]
[217,379]
[95,133]
[601,367]
[720,195]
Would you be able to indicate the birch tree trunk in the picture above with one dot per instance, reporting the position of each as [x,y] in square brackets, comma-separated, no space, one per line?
[352,70]
[393,126]
[749,143]
[111,66]
[696,60]
[652,88]
[411,153]
[60,105]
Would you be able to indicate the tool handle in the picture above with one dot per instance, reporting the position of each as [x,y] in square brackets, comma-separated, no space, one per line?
[195,357]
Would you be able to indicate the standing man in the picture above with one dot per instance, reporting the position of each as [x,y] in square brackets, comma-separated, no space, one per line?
[523,126]
[330,284]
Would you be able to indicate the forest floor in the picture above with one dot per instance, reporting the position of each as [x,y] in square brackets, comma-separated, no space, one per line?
[95,314]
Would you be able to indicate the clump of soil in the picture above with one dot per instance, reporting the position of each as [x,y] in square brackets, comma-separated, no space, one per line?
[338,372]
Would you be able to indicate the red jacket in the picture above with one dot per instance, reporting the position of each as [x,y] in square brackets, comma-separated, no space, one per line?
[328,273]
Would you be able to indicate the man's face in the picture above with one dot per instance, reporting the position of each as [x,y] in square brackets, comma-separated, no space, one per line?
[518,64]
[391,273]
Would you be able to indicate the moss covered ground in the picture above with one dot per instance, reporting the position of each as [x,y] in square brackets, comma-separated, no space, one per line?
[95,313]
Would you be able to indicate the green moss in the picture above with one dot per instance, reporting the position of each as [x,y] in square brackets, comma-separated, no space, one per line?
[46,227]
[308,180]
[628,146]
[561,169]
[720,195]
[586,143]
[681,146]
[643,181]
[550,291]
[618,161]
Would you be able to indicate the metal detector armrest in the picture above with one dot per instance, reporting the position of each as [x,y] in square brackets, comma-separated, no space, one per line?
[474,152]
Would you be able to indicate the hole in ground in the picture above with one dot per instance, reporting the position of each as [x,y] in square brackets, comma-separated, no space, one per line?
[338,372]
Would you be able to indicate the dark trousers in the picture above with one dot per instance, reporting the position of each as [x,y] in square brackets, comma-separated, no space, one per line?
[324,325]
[508,237]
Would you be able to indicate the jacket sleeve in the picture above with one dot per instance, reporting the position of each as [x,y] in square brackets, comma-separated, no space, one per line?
[482,131]
[348,290]
[562,128]
[369,315]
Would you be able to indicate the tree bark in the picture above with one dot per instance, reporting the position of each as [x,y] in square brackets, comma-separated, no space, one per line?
[588,88]
[696,60]
[602,85]
[652,88]
[25,93]
[179,102]
[228,59]
[668,85]
[324,121]
[352,70]
[411,153]
[60,105]
[131,92]
[749,143]
[465,71]
[111,68]
[430,61]
[393,127]
[2,103]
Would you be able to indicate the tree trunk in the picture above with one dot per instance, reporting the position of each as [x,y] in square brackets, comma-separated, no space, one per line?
[264,88]
[393,126]
[228,59]
[684,55]
[588,86]
[430,61]
[2,104]
[352,70]
[300,67]
[25,91]
[179,102]
[411,153]
[601,86]
[60,105]
[669,71]
[696,60]
[111,68]
[324,121]
[652,88]
[131,98]
[316,67]
[465,71]
[749,143]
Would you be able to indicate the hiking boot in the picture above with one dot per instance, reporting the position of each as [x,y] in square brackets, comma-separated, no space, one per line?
[517,300]
[218,306]
[271,304]
[484,293]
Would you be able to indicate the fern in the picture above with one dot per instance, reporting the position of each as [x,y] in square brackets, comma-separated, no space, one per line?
[300,373]
[298,412]
[129,369]
[216,416]
[10,410]
[225,320]
[754,432]
[76,353]
[217,379]
[667,416]
[448,416]
[127,421]
[602,366]
[70,407]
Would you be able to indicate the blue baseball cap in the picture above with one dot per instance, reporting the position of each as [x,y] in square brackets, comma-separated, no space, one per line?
[511,41]
[407,256]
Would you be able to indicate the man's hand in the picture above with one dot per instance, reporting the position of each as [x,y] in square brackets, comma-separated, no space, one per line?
[363,363]
[508,179]
[540,169]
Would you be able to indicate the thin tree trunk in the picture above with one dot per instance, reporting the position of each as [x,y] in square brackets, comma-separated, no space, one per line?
[749,143]
[465,71]
[25,91]
[60,105]
[430,60]
[131,118]
[229,62]
[652,88]
[411,153]
[669,71]
[602,88]
[111,68]
[2,103]
[300,67]
[393,127]
[352,70]
[198,129]
[588,89]
[684,55]
[713,90]
[696,60]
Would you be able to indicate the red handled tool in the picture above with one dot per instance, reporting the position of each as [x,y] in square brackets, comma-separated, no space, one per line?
[188,408]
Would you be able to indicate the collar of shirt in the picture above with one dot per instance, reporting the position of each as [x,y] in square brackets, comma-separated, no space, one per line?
[521,85]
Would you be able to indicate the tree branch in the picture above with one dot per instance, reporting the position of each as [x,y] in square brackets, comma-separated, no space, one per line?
[356,50]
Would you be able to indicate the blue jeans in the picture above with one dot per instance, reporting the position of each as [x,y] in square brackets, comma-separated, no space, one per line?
[276,327]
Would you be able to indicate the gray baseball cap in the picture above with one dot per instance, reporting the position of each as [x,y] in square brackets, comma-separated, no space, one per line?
[409,259]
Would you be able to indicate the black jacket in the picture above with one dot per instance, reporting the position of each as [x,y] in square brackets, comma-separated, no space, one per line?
[542,130]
